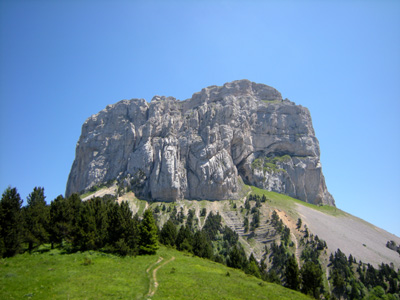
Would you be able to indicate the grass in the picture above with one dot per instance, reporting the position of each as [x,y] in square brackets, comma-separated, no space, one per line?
[89,193]
[93,190]
[272,101]
[287,203]
[53,275]
[269,164]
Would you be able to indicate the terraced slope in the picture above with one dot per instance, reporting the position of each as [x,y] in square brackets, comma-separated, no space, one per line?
[339,229]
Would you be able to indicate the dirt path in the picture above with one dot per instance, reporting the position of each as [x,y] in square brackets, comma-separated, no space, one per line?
[296,254]
[152,265]
[327,278]
[153,279]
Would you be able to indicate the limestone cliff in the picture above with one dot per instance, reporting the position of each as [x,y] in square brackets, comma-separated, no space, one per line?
[205,147]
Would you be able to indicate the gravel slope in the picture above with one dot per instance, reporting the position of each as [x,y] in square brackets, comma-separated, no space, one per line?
[352,236]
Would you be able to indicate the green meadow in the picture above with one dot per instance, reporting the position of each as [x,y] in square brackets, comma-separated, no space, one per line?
[96,275]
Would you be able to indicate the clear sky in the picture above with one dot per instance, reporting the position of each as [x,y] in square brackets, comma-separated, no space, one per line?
[62,61]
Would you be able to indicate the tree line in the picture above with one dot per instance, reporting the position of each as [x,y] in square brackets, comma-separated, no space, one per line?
[356,280]
[73,225]
[105,225]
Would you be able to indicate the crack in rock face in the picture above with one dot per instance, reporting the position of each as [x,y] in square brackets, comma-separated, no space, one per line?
[205,147]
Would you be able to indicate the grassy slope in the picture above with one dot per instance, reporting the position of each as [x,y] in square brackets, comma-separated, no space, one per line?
[53,275]
[288,204]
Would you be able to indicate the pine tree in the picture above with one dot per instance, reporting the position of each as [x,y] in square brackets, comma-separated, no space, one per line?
[202,245]
[190,219]
[253,267]
[133,232]
[84,230]
[272,276]
[355,292]
[11,222]
[311,279]
[168,234]
[350,260]
[263,199]
[91,225]
[246,224]
[60,221]
[298,224]
[123,232]
[237,258]
[36,215]
[247,204]
[292,274]
[116,229]
[2,246]
[230,236]
[184,239]
[212,225]
[101,221]
[148,234]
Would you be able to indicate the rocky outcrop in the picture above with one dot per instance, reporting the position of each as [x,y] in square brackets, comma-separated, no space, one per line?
[206,147]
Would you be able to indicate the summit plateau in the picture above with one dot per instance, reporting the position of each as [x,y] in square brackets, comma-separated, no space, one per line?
[206,147]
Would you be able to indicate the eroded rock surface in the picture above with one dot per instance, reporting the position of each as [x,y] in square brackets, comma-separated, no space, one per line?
[205,147]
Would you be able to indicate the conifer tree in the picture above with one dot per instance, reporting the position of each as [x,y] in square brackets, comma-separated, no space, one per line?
[84,230]
[122,230]
[263,199]
[311,279]
[60,219]
[190,219]
[11,223]
[2,246]
[116,227]
[91,225]
[298,224]
[168,234]
[237,258]
[202,245]
[36,218]
[292,274]
[101,221]
[148,234]
[133,233]
[184,239]
[74,204]
[252,267]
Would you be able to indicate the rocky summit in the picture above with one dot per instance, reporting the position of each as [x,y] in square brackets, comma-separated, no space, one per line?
[205,147]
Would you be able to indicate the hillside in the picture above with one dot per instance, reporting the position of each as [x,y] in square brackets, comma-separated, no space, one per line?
[95,275]
[319,250]
[340,230]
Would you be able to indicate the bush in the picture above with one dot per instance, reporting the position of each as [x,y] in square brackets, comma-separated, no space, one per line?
[87,261]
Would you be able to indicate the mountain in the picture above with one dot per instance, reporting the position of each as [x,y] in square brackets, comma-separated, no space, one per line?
[206,147]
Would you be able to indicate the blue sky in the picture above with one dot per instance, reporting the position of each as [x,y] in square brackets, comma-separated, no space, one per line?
[62,61]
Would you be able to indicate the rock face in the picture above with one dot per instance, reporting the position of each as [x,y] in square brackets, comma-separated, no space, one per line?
[206,147]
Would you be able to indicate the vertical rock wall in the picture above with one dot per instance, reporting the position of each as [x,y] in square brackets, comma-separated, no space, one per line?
[205,147]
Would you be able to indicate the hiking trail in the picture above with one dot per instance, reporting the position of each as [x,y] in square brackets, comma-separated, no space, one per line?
[153,283]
